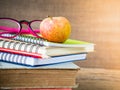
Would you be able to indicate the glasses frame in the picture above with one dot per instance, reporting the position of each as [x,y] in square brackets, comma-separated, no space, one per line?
[28,23]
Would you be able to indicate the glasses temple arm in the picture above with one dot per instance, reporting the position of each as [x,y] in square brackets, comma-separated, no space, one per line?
[15,30]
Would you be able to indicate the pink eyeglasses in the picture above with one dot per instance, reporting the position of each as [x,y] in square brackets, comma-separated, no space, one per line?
[15,27]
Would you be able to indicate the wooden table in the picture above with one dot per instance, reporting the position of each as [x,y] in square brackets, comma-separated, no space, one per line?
[98,79]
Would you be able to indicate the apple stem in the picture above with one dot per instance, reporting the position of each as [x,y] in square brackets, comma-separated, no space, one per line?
[50,17]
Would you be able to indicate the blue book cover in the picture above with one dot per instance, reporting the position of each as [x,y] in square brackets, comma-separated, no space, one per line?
[30,61]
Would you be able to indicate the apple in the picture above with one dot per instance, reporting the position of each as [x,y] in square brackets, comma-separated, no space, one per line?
[55,29]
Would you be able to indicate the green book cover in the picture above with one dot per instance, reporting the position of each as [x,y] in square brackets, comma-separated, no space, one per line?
[72,41]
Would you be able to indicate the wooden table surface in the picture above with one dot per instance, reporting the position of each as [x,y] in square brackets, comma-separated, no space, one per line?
[98,79]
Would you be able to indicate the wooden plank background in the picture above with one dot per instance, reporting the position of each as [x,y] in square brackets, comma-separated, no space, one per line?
[96,21]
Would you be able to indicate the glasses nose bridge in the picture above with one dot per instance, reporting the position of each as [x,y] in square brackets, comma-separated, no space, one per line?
[24,22]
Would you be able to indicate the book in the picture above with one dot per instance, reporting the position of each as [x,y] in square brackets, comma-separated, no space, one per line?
[50,51]
[51,76]
[31,61]
[68,43]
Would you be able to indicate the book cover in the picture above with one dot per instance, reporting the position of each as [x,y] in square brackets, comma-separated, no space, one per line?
[51,76]
[31,61]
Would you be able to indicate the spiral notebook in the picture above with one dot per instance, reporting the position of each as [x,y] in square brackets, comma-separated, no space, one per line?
[22,46]
[30,61]
[42,42]
[15,46]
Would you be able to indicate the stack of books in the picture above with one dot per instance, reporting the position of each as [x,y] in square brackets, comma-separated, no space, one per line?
[29,62]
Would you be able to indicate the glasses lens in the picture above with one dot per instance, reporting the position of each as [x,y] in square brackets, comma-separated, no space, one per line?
[9,28]
[35,25]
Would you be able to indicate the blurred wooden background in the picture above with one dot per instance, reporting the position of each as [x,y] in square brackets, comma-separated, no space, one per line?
[96,21]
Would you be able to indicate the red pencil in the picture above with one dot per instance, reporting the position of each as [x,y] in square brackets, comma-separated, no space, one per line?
[23,53]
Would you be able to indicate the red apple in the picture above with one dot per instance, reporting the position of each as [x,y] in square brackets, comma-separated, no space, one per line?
[55,29]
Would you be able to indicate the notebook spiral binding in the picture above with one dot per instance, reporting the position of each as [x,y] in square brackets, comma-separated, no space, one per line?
[22,46]
[12,58]
[28,39]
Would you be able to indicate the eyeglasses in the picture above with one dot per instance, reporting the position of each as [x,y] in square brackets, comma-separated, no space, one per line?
[15,27]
